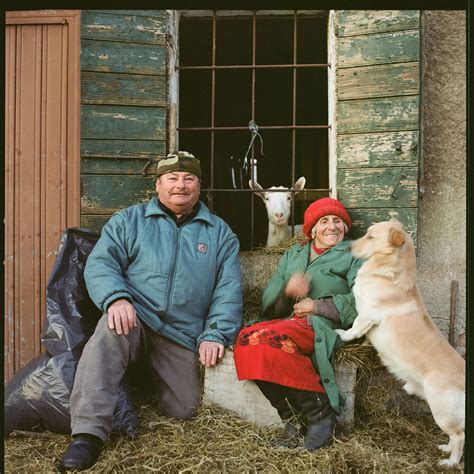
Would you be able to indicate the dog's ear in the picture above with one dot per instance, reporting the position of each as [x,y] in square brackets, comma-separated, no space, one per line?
[396,237]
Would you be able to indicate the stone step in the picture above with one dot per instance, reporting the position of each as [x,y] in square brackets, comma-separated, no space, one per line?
[222,388]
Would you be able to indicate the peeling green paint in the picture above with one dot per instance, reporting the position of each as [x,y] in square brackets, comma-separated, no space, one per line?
[123,109]
[377,110]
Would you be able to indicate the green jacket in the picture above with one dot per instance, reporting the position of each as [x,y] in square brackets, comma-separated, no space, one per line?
[184,282]
[332,274]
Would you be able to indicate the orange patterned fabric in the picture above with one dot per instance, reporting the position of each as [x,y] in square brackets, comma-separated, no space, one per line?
[278,351]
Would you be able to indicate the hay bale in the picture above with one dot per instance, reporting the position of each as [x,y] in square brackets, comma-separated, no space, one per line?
[252,304]
[217,441]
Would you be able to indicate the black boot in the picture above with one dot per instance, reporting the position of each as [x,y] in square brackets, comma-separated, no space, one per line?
[277,395]
[82,453]
[320,418]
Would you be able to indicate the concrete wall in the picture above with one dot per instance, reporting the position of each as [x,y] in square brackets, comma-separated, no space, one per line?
[442,216]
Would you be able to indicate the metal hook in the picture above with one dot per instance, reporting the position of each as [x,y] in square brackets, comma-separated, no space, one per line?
[402,176]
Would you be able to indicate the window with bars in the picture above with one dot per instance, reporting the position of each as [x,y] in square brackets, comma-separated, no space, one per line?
[267,69]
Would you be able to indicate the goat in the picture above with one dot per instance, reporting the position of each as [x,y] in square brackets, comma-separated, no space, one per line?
[278,204]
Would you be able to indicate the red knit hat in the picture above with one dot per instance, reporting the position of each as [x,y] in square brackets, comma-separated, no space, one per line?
[324,207]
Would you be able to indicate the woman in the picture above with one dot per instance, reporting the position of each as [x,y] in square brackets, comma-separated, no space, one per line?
[310,294]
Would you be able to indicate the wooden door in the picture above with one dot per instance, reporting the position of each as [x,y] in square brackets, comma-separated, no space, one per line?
[42,165]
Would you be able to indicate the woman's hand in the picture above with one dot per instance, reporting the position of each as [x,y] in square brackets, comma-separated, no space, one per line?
[304,308]
[298,285]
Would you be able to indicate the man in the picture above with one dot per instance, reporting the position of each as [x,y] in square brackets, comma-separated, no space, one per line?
[167,276]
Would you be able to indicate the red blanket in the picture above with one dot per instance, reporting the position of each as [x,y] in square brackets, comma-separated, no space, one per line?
[278,351]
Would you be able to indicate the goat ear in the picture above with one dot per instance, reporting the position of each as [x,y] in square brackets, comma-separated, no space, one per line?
[396,237]
[300,184]
[256,188]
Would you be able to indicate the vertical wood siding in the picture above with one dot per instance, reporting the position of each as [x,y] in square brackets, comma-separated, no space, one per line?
[123,109]
[377,114]
[42,167]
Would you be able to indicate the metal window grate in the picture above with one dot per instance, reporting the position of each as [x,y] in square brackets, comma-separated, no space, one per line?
[292,126]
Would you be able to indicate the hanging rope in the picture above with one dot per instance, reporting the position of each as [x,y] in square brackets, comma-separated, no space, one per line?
[253,127]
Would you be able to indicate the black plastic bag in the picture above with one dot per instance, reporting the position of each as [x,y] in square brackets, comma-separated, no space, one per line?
[37,397]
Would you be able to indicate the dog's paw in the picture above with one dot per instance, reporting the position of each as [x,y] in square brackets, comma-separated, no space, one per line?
[343,334]
[447,463]
[445,448]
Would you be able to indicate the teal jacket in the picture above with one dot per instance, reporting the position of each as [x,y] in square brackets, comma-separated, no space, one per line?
[332,274]
[184,282]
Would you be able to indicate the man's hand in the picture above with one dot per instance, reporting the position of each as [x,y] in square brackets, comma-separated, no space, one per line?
[209,351]
[304,308]
[298,285]
[122,317]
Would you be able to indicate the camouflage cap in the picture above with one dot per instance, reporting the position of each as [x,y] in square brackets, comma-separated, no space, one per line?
[179,161]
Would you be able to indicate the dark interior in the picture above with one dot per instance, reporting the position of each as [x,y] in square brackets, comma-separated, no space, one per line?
[273,107]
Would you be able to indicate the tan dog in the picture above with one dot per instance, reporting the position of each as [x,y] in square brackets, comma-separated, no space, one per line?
[392,315]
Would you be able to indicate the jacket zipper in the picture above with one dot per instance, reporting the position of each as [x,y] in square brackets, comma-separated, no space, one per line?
[169,288]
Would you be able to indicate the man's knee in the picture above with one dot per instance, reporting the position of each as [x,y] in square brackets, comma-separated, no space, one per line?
[180,405]
[104,334]
[181,410]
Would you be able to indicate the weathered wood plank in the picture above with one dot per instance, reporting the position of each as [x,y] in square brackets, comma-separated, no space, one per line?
[105,194]
[125,27]
[123,89]
[378,81]
[94,223]
[133,58]
[123,148]
[364,218]
[378,187]
[360,22]
[378,115]
[117,166]
[151,13]
[378,149]
[132,123]
[397,47]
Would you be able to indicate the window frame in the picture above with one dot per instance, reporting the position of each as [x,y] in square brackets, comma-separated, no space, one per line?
[174,69]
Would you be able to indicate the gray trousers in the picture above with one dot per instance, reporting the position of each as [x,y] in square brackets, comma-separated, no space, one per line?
[103,363]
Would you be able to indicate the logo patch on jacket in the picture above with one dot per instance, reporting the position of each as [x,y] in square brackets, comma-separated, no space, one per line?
[202,247]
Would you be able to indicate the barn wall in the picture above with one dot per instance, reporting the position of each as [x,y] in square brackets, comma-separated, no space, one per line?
[123,108]
[442,209]
[124,121]
[377,115]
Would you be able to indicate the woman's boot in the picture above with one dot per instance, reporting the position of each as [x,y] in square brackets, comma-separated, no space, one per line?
[320,418]
[277,396]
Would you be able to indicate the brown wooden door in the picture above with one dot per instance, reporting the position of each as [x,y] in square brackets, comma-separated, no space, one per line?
[42,165]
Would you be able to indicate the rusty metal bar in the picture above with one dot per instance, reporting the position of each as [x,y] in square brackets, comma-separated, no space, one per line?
[213,104]
[257,66]
[254,54]
[293,131]
[314,190]
[263,127]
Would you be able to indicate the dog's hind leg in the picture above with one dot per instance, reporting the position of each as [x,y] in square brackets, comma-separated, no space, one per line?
[446,448]
[447,407]
[360,327]
[455,445]
[414,388]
